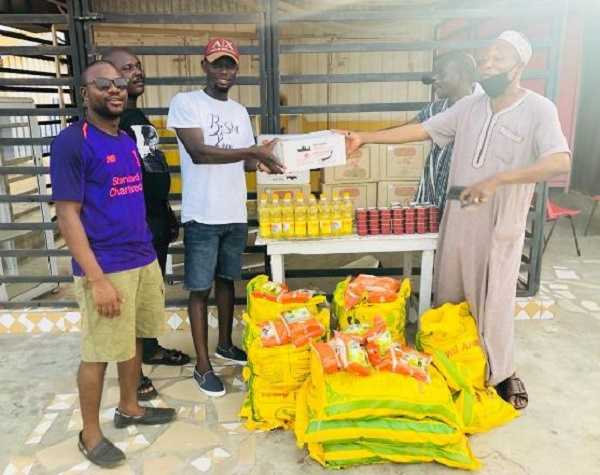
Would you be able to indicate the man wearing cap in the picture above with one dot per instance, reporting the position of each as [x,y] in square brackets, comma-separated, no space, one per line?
[216,147]
[453,77]
[504,141]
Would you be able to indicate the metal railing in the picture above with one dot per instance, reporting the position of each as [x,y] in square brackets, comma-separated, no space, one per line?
[25,234]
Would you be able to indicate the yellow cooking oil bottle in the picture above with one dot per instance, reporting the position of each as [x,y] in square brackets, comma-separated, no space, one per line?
[336,215]
[264,218]
[312,217]
[324,216]
[300,216]
[275,215]
[287,217]
[347,214]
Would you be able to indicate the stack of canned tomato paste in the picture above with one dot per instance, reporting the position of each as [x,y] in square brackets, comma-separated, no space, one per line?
[419,219]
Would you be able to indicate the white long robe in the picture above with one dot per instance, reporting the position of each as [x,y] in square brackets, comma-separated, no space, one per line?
[479,250]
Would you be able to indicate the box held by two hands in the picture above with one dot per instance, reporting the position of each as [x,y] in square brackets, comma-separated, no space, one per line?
[309,151]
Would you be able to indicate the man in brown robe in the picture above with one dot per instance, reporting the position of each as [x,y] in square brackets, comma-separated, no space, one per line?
[504,141]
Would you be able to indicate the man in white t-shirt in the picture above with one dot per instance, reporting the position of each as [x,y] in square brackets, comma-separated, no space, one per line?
[216,147]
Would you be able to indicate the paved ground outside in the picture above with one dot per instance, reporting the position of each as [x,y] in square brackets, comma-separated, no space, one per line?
[559,361]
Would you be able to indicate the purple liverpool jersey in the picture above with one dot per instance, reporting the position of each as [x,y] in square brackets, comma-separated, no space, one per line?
[102,172]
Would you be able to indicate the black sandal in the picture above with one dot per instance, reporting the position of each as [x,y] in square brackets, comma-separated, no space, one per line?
[169,358]
[513,388]
[105,454]
[143,386]
[151,416]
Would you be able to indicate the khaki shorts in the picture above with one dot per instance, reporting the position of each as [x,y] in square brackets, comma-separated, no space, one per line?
[106,340]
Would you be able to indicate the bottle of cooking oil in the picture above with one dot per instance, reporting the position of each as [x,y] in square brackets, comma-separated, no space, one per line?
[347,214]
[312,218]
[300,216]
[336,215]
[287,215]
[264,218]
[275,215]
[324,216]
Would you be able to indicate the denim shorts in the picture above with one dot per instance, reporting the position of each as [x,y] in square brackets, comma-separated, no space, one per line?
[212,250]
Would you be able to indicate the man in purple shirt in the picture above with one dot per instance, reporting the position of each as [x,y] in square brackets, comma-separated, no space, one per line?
[97,186]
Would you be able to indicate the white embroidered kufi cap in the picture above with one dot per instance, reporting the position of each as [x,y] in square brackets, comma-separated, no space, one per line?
[520,42]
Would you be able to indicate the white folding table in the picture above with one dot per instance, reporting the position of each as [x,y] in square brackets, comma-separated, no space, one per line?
[354,244]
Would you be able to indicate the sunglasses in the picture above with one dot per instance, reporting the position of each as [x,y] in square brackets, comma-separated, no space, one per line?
[104,83]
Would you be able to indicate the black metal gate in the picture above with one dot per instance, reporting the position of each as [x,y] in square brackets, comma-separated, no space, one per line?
[28,229]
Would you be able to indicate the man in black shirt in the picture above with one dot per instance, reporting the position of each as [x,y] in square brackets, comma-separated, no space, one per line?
[157,183]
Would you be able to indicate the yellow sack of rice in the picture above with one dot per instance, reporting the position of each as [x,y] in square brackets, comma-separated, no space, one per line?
[451,329]
[459,357]
[269,406]
[266,300]
[285,364]
[479,409]
[311,430]
[337,455]
[274,375]
[351,420]
[364,311]
[273,381]
[343,395]
[484,409]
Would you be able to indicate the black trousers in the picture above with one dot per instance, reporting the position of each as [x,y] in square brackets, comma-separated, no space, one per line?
[161,236]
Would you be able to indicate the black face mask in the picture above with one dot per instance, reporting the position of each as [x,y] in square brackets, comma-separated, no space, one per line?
[428,80]
[495,85]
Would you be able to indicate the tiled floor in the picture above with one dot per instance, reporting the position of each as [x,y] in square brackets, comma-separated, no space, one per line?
[557,359]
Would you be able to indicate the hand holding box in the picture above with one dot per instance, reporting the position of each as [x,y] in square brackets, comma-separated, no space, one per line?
[311,151]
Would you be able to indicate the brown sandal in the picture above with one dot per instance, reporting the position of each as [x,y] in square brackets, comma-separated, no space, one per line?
[513,387]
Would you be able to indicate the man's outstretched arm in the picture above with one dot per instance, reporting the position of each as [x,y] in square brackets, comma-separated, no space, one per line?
[200,153]
[400,134]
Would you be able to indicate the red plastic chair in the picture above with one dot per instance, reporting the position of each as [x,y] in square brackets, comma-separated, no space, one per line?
[553,213]
[587,227]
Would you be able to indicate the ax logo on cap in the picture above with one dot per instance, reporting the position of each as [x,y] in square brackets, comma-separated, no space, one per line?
[218,47]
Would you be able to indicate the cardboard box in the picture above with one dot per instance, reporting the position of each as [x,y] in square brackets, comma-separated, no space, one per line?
[312,151]
[361,167]
[389,192]
[288,178]
[402,162]
[264,139]
[364,195]
[281,190]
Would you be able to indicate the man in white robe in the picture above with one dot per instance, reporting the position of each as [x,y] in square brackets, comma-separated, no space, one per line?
[504,142]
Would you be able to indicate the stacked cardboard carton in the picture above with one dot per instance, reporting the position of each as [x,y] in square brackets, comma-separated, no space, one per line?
[293,182]
[374,175]
[358,177]
[377,175]
[401,167]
